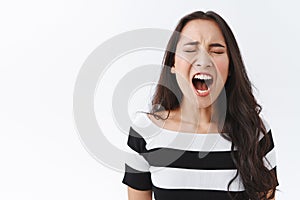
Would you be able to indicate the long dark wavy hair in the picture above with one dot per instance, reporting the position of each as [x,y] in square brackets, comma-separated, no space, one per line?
[242,125]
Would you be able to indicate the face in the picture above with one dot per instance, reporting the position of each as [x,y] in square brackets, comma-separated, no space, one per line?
[201,62]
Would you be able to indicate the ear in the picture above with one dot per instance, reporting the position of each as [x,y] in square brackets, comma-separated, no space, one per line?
[173,69]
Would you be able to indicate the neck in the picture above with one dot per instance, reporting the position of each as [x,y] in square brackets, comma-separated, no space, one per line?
[200,118]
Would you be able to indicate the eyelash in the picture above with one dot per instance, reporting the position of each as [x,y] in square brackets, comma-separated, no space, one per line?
[216,52]
[190,51]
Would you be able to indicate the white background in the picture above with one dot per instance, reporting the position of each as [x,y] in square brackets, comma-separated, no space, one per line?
[42,47]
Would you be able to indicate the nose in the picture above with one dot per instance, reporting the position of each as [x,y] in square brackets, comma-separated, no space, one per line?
[203,59]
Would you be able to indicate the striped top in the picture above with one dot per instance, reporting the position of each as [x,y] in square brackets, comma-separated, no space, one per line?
[180,165]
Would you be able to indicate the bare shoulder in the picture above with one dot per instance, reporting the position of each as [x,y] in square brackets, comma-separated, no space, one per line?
[163,118]
[160,116]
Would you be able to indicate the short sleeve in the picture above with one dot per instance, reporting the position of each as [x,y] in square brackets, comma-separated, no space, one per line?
[137,174]
[269,151]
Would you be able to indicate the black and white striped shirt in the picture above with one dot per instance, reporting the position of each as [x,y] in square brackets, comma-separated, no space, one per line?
[180,165]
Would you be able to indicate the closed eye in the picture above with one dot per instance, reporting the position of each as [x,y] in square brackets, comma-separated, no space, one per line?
[189,51]
[218,52]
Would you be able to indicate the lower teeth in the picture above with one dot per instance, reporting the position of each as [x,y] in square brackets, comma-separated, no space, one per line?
[202,91]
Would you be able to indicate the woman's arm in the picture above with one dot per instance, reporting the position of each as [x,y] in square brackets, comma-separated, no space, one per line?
[269,194]
[134,194]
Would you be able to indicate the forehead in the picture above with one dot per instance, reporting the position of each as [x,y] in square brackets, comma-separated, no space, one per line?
[202,30]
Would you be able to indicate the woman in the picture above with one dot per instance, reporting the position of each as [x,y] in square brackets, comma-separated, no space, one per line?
[204,92]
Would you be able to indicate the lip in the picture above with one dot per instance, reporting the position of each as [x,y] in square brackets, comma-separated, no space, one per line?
[203,94]
[206,93]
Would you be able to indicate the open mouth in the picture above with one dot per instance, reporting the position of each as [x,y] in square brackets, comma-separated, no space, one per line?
[202,82]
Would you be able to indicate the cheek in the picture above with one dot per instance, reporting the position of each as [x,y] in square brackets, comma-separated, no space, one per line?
[222,65]
[181,64]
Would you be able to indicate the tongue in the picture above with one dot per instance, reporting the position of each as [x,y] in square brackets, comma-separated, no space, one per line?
[201,85]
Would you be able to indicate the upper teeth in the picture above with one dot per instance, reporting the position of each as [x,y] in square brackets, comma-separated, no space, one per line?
[203,76]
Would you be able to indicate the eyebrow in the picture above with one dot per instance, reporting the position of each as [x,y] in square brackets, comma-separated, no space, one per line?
[211,45]
[216,45]
[192,43]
